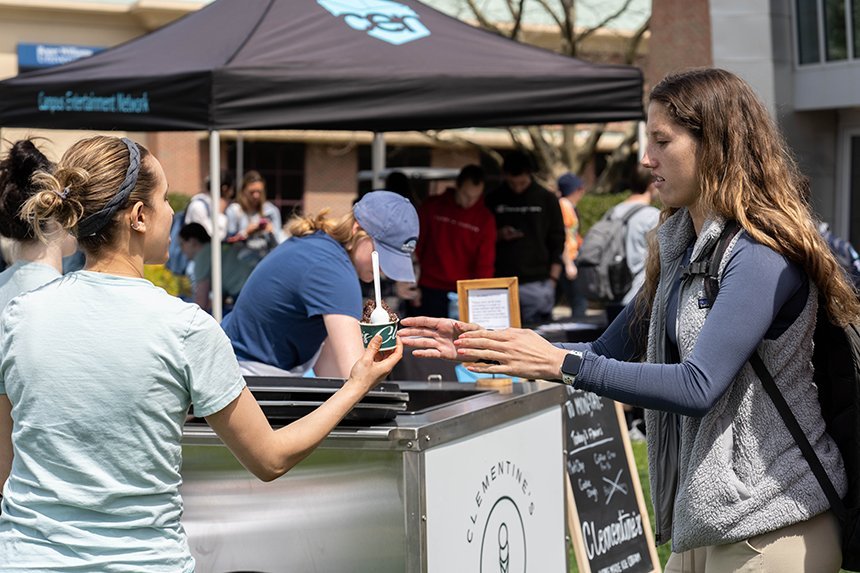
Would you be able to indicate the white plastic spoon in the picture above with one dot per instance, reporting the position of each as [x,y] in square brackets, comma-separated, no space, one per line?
[379,315]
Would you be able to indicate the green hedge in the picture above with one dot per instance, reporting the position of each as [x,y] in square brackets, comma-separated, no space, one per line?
[592,207]
[178,201]
[160,276]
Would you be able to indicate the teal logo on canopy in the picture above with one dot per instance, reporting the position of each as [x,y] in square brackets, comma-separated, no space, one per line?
[384,20]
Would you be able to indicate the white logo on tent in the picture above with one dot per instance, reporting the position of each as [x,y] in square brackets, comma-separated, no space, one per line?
[384,20]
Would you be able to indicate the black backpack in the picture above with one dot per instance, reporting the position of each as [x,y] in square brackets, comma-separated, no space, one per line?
[602,259]
[836,359]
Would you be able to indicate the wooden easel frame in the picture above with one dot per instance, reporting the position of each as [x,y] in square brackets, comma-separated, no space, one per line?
[573,524]
[509,283]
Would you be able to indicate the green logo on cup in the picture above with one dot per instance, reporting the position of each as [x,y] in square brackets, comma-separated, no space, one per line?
[387,331]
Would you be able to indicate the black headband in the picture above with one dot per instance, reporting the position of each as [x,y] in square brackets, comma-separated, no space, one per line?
[95,222]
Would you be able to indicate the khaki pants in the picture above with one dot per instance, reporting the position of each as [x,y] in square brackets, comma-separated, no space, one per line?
[811,546]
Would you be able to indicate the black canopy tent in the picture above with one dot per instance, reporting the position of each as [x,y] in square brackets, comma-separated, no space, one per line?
[373,65]
[276,64]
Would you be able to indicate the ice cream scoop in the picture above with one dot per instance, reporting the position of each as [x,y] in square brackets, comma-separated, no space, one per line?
[379,315]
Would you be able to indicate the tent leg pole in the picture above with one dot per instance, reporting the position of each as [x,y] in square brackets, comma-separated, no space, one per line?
[642,138]
[215,194]
[240,160]
[378,159]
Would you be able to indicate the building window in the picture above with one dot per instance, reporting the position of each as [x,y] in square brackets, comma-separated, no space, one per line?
[807,32]
[397,156]
[282,165]
[855,25]
[827,30]
[834,30]
[854,189]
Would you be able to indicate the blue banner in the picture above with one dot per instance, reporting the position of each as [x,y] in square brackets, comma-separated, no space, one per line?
[37,56]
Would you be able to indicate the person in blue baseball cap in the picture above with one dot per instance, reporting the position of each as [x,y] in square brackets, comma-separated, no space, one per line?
[301,306]
[392,223]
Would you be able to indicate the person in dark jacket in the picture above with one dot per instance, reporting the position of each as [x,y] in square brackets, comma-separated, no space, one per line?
[529,237]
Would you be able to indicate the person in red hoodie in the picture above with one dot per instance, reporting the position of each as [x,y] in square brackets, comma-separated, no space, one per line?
[457,242]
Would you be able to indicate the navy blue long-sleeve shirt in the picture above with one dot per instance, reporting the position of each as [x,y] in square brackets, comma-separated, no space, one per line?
[761,294]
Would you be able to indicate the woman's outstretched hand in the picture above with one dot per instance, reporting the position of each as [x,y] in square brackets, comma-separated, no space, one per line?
[512,351]
[374,365]
[433,337]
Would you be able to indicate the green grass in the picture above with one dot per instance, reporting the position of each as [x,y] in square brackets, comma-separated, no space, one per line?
[640,454]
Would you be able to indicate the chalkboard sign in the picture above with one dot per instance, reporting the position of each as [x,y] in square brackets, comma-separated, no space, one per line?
[607,518]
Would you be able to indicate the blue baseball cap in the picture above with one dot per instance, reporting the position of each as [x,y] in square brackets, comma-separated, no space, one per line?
[568,183]
[392,223]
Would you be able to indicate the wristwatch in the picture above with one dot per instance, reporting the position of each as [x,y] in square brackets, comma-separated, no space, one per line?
[571,366]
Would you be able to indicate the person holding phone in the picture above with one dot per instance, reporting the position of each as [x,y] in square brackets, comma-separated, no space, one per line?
[253,223]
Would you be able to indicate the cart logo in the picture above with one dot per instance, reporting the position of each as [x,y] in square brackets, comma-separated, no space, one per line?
[382,19]
[503,545]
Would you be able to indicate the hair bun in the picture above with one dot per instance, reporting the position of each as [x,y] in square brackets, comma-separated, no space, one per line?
[23,160]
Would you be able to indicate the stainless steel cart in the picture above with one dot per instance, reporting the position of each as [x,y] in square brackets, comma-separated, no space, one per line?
[466,479]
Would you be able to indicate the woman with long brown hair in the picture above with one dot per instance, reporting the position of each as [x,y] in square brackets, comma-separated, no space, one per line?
[730,486]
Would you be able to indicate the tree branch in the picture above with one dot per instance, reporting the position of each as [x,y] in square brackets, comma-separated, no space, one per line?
[558,19]
[545,153]
[616,161]
[517,15]
[482,20]
[635,41]
[605,21]
[585,153]
[454,140]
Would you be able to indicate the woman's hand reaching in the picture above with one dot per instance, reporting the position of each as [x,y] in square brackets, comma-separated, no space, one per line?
[373,365]
[433,337]
[513,351]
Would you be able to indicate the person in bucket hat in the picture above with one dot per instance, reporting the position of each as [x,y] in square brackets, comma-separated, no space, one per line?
[300,308]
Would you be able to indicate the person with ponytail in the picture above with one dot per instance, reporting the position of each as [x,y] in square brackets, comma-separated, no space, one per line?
[301,306]
[730,486]
[35,262]
[98,370]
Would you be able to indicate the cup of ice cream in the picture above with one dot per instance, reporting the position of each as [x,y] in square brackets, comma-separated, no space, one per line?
[387,330]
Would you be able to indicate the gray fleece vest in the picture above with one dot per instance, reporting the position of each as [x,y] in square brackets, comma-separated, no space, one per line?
[736,472]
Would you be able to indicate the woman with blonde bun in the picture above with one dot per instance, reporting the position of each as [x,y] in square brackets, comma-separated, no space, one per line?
[97,373]
[301,306]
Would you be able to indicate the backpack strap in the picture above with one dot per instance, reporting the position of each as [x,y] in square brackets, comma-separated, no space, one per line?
[799,436]
[205,204]
[709,266]
[629,214]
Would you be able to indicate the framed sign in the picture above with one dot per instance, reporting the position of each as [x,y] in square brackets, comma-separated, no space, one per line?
[492,303]
[607,518]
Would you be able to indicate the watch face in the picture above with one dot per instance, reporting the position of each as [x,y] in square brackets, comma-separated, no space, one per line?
[572,363]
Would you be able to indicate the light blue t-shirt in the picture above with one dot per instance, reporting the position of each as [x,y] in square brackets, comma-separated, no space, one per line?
[278,319]
[101,371]
[24,276]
